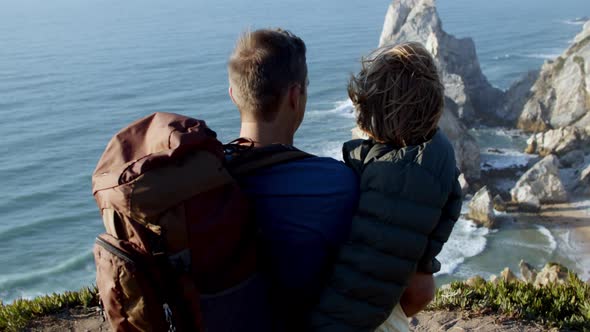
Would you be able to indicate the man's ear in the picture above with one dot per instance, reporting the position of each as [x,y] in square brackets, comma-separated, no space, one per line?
[231,94]
[295,96]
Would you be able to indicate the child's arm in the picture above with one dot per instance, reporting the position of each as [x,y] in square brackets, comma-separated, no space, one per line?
[450,214]
[419,294]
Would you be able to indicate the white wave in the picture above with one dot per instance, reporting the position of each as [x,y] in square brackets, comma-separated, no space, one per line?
[11,280]
[342,107]
[504,159]
[577,21]
[543,56]
[503,57]
[466,240]
[576,251]
[550,238]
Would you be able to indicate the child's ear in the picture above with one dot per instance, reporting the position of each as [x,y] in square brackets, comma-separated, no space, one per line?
[230,91]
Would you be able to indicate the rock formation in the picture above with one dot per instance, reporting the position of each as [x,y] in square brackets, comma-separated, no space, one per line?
[552,273]
[583,186]
[527,271]
[465,84]
[540,184]
[557,141]
[466,147]
[516,98]
[481,208]
[464,184]
[561,95]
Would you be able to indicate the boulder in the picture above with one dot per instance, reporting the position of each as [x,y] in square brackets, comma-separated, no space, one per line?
[466,89]
[481,208]
[583,185]
[540,184]
[557,141]
[508,276]
[516,97]
[464,184]
[560,96]
[527,271]
[475,281]
[465,84]
[499,204]
[494,279]
[467,152]
[572,159]
[552,273]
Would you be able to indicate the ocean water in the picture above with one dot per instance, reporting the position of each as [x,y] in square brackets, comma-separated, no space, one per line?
[72,73]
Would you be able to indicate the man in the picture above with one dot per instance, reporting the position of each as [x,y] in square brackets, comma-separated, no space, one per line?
[303,208]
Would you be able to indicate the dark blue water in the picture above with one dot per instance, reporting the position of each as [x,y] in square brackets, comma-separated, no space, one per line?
[74,72]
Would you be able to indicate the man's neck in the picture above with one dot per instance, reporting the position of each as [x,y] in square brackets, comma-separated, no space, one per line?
[264,134]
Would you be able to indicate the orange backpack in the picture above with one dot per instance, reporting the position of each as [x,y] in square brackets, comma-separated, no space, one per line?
[177,223]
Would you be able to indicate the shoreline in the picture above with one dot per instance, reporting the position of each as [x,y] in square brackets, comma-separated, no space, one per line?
[575,217]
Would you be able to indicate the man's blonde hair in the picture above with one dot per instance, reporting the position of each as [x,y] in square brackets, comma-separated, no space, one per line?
[398,95]
[262,67]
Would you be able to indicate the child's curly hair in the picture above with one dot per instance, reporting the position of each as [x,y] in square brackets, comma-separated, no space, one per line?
[398,95]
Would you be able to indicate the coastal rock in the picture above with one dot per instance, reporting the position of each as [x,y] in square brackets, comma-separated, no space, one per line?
[540,184]
[557,141]
[527,271]
[481,208]
[508,276]
[499,204]
[572,159]
[475,281]
[561,95]
[516,97]
[494,279]
[464,184]
[465,146]
[583,185]
[465,84]
[552,273]
[467,152]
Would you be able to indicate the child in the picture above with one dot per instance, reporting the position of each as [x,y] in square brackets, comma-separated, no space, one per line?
[410,196]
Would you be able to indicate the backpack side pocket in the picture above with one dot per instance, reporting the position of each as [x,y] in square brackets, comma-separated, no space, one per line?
[129,297]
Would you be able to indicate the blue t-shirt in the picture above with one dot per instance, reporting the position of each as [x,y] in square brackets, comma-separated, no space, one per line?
[304,210]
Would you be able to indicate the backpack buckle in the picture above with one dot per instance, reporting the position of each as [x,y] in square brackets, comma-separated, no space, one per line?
[168,315]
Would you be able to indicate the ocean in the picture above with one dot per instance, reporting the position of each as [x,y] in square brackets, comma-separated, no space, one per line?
[72,73]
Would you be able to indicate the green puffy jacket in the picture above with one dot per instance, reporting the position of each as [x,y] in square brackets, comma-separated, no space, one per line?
[410,200]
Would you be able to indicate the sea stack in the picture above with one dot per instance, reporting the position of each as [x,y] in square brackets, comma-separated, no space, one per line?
[465,84]
[468,95]
[560,96]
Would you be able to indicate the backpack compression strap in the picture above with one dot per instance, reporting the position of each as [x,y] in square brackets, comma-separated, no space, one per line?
[244,160]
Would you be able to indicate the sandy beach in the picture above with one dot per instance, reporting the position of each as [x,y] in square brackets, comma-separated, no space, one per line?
[572,220]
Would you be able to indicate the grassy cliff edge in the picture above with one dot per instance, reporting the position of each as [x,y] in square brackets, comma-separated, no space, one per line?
[563,306]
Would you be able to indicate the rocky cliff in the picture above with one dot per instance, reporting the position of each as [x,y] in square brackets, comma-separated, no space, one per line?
[560,96]
[469,96]
[465,84]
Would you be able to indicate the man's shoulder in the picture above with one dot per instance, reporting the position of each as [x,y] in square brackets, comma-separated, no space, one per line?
[308,177]
[321,169]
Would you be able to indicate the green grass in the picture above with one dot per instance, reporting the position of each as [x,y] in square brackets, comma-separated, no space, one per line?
[17,315]
[564,306]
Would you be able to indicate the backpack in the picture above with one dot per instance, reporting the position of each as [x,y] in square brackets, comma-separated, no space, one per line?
[177,224]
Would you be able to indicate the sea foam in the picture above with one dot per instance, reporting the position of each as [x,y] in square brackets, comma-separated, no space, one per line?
[550,238]
[466,240]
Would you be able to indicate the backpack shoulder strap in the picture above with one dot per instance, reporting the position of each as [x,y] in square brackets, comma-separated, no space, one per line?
[245,160]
